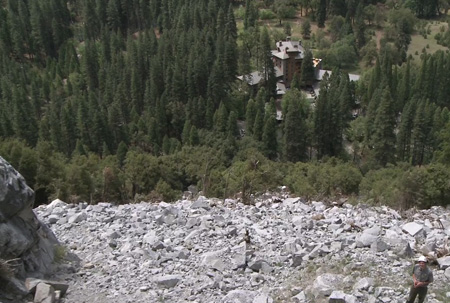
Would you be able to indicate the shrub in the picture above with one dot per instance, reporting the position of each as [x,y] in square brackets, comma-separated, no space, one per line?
[266,14]
[425,186]
[166,192]
[60,253]
[382,186]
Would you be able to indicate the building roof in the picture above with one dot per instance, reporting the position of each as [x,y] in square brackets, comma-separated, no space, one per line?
[288,46]
[252,78]
[321,73]
[281,55]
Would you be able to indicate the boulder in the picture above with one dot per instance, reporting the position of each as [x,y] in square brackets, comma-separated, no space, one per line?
[444,262]
[412,228]
[240,296]
[45,293]
[167,281]
[325,284]
[22,235]
[337,296]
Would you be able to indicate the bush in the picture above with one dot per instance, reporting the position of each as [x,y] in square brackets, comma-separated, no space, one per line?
[382,186]
[331,179]
[266,14]
[426,186]
[166,192]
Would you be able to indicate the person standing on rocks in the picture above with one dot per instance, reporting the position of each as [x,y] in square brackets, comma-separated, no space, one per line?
[422,276]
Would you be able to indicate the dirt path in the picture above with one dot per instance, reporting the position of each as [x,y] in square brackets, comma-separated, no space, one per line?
[378,35]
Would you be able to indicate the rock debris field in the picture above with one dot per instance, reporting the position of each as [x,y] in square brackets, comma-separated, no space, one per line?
[281,249]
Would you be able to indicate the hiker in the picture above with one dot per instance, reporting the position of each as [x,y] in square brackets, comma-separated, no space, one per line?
[422,276]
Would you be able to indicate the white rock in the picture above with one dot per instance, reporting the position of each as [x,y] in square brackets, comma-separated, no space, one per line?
[412,228]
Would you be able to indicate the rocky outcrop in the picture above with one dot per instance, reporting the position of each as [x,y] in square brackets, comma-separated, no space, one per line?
[26,245]
[282,249]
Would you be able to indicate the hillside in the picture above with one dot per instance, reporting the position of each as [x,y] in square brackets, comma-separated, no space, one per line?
[128,100]
[282,249]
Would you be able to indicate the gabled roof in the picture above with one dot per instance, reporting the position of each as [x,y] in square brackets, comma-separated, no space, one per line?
[252,78]
[288,47]
[321,73]
[281,55]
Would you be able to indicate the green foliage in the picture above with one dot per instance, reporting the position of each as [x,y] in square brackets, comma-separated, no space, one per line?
[106,101]
[251,173]
[383,186]
[165,191]
[332,178]
[266,14]
[59,253]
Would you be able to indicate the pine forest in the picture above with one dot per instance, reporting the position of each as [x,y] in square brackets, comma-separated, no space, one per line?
[139,100]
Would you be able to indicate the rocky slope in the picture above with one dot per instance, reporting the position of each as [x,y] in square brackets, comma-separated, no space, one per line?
[281,249]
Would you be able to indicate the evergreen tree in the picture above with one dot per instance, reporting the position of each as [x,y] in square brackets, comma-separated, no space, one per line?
[307,68]
[258,125]
[269,136]
[306,29]
[250,116]
[185,137]
[295,144]
[384,136]
[194,138]
[232,126]
[404,133]
[321,13]
[267,68]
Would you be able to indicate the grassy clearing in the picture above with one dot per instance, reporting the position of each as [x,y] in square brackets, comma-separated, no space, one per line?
[419,42]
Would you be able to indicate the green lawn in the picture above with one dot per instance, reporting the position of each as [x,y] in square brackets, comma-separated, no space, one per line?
[418,42]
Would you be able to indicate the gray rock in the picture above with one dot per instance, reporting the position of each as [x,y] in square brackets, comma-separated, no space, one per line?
[77,218]
[363,284]
[240,296]
[262,299]
[379,246]
[412,228]
[447,273]
[201,202]
[44,293]
[444,262]
[32,283]
[22,235]
[325,284]
[260,266]
[407,251]
[366,240]
[300,298]
[167,281]
[337,296]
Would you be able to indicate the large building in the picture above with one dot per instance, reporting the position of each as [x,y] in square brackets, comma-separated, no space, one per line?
[288,58]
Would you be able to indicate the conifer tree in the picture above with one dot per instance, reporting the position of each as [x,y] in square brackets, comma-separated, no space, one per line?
[384,136]
[307,69]
[269,136]
[258,125]
[321,13]
[232,126]
[295,144]
[404,132]
[250,116]
[194,138]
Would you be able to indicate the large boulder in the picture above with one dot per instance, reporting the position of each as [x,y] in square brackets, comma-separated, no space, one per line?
[24,241]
